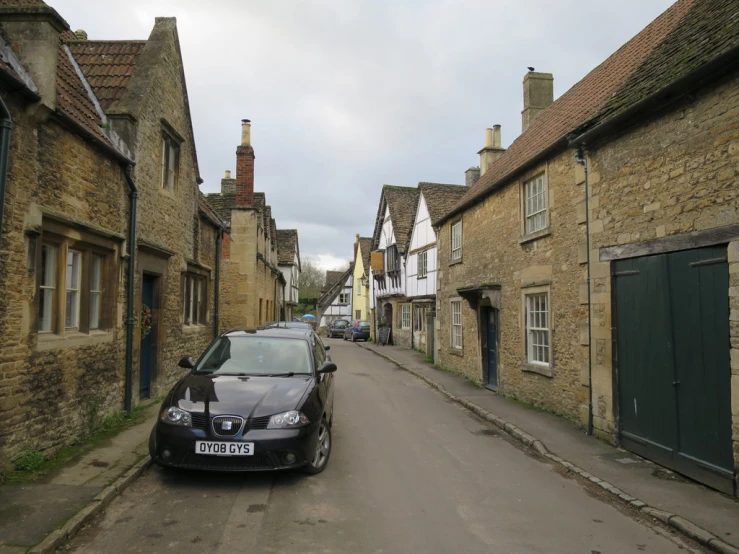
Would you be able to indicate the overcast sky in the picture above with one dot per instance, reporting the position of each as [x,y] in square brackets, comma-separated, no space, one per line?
[348,95]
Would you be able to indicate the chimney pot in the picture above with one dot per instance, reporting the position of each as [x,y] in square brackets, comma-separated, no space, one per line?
[492,149]
[496,136]
[81,34]
[227,174]
[488,137]
[245,132]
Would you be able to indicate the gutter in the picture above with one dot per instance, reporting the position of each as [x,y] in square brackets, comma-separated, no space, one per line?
[660,99]
[130,320]
[6,124]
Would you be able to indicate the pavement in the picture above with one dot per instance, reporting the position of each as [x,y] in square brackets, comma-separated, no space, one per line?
[38,517]
[705,515]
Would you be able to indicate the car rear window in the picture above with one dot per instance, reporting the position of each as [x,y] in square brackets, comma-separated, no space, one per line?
[256,355]
[364,324]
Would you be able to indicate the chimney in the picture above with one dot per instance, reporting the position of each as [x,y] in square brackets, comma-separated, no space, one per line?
[228,185]
[492,149]
[81,34]
[538,94]
[356,245]
[244,186]
[33,34]
[471,176]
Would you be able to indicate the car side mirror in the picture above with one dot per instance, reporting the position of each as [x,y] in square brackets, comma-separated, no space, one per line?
[328,367]
[327,347]
[187,362]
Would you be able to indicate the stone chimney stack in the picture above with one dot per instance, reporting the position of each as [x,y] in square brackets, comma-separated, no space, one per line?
[244,186]
[538,94]
[228,184]
[33,34]
[471,176]
[492,149]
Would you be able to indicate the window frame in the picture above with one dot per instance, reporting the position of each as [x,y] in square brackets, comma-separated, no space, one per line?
[531,362]
[455,253]
[405,316]
[422,256]
[72,285]
[194,297]
[542,209]
[51,270]
[453,344]
[344,298]
[170,161]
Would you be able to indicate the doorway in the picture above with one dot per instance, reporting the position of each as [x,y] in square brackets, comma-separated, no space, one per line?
[147,356]
[489,318]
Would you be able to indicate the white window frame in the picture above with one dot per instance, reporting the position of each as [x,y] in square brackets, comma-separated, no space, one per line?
[536,204]
[47,287]
[422,264]
[72,285]
[96,290]
[344,298]
[455,312]
[538,328]
[405,316]
[456,241]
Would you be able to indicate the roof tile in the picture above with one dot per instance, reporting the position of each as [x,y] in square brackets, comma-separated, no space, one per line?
[287,245]
[441,198]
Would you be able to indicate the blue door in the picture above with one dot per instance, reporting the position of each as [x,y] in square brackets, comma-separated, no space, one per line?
[146,360]
[490,347]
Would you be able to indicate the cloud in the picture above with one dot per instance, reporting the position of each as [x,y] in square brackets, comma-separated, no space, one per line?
[348,95]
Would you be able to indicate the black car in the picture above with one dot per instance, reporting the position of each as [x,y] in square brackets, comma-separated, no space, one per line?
[336,328]
[255,400]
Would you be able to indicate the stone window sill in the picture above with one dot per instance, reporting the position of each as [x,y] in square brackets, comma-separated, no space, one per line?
[541,369]
[534,236]
[72,339]
[455,262]
[456,351]
[193,328]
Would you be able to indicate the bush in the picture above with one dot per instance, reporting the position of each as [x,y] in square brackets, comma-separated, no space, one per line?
[29,460]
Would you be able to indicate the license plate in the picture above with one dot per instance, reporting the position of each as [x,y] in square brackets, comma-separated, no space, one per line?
[224,448]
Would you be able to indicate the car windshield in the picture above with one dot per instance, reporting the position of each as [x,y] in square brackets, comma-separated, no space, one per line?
[256,355]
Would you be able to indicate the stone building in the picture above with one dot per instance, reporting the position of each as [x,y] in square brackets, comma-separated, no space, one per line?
[656,127]
[84,149]
[253,289]
[390,239]
[663,220]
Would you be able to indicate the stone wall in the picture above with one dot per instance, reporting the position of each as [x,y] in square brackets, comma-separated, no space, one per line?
[493,254]
[672,174]
[55,385]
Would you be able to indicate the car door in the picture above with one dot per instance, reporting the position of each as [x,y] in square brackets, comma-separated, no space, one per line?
[325,380]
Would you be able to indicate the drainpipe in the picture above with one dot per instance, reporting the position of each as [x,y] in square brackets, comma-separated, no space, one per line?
[5,126]
[217,288]
[580,158]
[130,320]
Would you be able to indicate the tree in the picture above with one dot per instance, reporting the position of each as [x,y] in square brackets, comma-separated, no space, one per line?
[312,279]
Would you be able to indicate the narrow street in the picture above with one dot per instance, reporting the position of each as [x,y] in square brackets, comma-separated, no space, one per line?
[409,473]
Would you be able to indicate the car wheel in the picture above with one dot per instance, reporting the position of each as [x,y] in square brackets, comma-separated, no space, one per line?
[323,450]
[353,339]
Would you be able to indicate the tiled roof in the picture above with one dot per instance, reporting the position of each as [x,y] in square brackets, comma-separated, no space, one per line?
[402,202]
[21,3]
[222,204]
[441,198]
[107,65]
[577,105]
[332,277]
[287,245]
[365,245]
[73,99]
[709,30]
[330,291]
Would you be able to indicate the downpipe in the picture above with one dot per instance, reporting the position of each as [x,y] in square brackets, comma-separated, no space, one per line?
[130,319]
[217,288]
[580,158]
[6,125]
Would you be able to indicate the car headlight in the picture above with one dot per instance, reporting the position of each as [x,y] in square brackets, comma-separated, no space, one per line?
[288,420]
[176,416]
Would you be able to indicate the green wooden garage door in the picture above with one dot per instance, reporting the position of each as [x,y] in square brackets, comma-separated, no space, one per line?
[672,360]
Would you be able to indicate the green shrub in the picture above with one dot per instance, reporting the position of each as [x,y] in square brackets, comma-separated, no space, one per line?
[29,460]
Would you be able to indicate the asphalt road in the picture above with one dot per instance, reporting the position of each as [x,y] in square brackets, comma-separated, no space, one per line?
[409,473]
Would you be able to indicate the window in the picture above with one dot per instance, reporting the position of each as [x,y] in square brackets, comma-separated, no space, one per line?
[457,241]
[96,292]
[419,318]
[73,290]
[422,261]
[319,354]
[537,328]
[457,325]
[358,314]
[47,287]
[393,259]
[535,204]
[405,316]
[343,298]
[194,304]
[170,161]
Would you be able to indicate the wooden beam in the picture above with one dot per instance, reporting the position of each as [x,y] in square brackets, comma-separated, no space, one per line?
[696,239]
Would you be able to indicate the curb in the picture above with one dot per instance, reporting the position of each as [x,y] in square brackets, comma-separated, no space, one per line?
[687,528]
[63,534]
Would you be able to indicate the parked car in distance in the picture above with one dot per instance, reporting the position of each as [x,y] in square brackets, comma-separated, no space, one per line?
[256,400]
[359,329]
[336,328]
